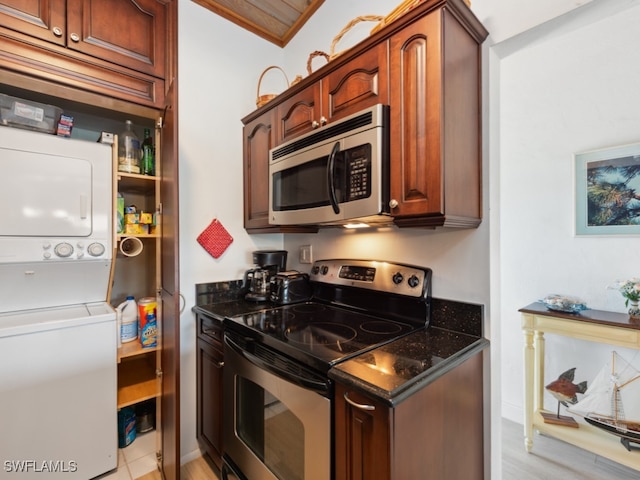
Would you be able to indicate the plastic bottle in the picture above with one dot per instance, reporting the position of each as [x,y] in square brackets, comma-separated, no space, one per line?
[129,151]
[148,154]
[128,311]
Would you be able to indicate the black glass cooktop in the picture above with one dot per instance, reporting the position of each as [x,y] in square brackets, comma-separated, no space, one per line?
[320,335]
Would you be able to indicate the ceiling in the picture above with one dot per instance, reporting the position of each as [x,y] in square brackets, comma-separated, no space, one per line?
[274,20]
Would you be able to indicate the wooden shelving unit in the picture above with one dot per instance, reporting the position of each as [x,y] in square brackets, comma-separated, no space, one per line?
[138,275]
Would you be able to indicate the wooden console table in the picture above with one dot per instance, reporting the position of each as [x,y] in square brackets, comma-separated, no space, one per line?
[591,325]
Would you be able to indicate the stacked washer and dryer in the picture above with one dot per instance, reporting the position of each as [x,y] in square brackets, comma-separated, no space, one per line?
[58,335]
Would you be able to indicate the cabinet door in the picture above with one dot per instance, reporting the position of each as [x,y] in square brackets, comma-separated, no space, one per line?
[415,118]
[259,138]
[170,276]
[125,32]
[209,401]
[358,84]
[300,113]
[362,436]
[43,19]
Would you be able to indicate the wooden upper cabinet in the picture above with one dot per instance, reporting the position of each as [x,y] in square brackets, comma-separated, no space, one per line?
[300,113]
[353,86]
[125,32]
[114,48]
[427,67]
[356,85]
[435,123]
[258,139]
[259,136]
[43,19]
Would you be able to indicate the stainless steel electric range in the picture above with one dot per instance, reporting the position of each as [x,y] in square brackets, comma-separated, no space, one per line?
[277,359]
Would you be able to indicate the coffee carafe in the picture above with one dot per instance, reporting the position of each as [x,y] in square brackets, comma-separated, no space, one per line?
[267,263]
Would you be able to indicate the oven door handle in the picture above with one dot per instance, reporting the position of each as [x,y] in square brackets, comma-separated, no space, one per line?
[308,383]
[331,167]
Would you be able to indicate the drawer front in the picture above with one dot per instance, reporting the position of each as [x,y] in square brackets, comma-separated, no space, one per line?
[210,330]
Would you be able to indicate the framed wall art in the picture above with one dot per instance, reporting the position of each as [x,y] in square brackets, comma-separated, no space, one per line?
[607,191]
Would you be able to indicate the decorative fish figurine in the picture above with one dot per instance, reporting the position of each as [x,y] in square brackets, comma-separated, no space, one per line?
[564,390]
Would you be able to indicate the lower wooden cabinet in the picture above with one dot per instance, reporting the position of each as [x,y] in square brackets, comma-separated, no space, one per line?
[362,436]
[436,433]
[209,367]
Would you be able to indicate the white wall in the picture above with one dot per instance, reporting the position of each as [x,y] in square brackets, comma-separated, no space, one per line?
[571,87]
[219,65]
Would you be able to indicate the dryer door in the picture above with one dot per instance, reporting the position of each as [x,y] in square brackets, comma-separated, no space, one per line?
[44,195]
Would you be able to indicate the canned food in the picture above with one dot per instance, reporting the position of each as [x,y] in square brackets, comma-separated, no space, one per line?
[148,322]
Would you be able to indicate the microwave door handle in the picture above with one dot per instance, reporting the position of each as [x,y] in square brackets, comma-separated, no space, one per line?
[331,166]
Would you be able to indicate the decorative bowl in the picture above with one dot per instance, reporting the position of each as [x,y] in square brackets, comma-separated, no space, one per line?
[564,303]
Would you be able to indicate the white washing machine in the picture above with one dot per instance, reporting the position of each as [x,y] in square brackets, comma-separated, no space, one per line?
[58,392]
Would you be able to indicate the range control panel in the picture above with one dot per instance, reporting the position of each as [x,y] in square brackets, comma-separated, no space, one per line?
[375,275]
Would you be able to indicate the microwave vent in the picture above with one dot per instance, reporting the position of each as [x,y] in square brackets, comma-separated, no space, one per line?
[324,134]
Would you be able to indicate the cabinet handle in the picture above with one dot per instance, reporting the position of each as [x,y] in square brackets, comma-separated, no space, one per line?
[361,406]
[393,203]
[323,120]
[57,31]
[75,37]
[315,124]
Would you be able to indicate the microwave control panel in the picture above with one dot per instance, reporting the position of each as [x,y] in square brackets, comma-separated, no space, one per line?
[358,160]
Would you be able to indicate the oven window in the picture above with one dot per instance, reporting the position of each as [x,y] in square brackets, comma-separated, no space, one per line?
[270,430]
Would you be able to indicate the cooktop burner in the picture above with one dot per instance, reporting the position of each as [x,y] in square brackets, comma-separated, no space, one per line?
[321,333]
[326,333]
[356,305]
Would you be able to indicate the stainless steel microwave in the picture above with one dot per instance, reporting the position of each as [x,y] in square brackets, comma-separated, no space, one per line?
[333,176]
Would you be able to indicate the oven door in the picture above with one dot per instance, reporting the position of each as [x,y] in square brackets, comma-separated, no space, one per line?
[280,426]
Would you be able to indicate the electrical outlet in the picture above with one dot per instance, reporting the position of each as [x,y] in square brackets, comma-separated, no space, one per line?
[304,256]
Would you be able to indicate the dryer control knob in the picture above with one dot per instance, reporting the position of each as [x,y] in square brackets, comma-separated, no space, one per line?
[95,249]
[63,250]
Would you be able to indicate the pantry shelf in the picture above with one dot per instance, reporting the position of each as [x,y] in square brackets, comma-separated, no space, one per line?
[138,381]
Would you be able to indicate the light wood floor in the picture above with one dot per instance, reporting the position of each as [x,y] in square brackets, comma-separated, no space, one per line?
[198,469]
[550,459]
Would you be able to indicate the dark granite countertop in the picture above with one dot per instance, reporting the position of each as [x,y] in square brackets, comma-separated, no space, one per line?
[230,308]
[224,299]
[395,371]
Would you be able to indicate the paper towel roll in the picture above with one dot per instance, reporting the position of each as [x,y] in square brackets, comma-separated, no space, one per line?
[131,246]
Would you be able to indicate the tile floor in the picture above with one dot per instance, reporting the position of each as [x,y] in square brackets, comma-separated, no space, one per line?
[135,460]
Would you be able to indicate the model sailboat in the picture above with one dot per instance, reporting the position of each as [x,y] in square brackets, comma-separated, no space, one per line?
[612,401]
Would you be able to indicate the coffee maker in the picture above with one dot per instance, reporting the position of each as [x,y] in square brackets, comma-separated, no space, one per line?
[267,263]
